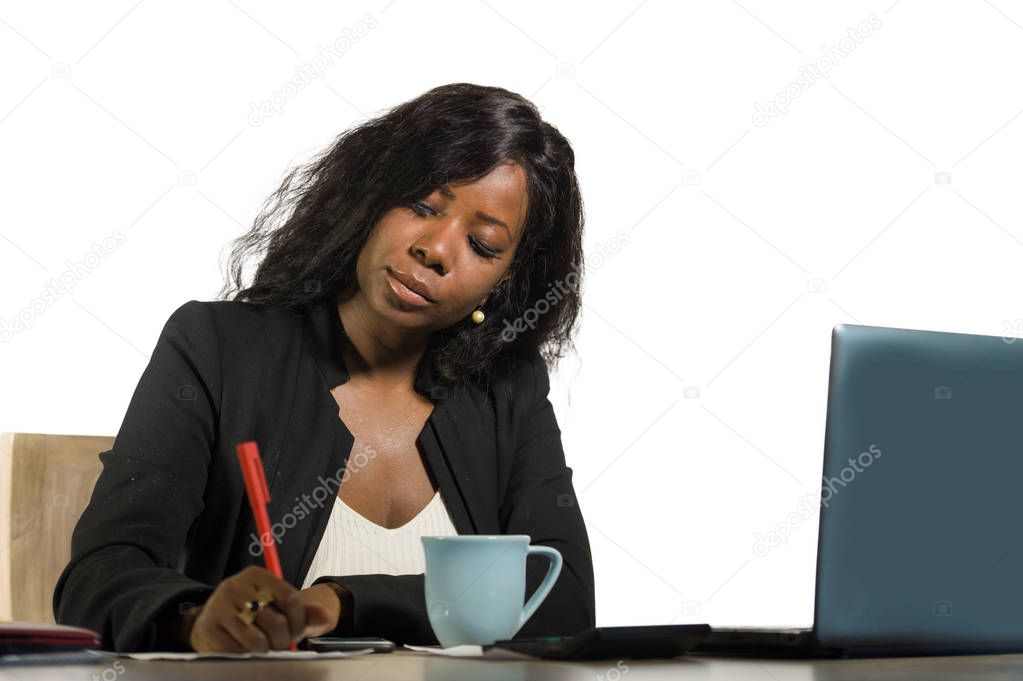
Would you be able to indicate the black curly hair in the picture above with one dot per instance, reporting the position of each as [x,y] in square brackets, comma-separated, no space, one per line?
[314,225]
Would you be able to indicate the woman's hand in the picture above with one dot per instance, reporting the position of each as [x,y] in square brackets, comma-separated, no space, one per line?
[325,595]
[292,616]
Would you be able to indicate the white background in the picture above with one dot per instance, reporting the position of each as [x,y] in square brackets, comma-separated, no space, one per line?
[721,249]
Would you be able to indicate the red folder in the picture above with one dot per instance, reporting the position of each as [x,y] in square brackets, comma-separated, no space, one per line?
[39,637]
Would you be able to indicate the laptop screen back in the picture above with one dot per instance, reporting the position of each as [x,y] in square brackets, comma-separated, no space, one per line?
[921,533]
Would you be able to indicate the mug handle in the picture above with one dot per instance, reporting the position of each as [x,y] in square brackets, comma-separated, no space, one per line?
[545,586]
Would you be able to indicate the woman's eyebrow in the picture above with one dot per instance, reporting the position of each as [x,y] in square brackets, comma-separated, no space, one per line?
[485,217]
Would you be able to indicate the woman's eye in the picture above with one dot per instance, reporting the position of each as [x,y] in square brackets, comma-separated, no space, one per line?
[481,249]
[421,209]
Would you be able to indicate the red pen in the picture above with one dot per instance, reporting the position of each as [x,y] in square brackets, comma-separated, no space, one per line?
[259,495]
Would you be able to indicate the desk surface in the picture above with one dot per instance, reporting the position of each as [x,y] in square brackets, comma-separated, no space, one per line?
[405,664]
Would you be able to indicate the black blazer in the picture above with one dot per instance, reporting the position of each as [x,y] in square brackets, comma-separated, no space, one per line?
[169,519]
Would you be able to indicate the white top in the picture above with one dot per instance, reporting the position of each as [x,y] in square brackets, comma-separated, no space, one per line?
[354,545]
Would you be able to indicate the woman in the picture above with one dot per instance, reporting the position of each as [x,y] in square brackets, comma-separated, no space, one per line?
[386,359]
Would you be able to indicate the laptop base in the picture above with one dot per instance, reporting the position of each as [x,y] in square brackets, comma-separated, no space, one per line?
[802,644]
[794,643]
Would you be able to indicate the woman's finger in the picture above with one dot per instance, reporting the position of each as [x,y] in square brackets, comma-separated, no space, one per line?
[285,597]
[249,636]
[275,625]
[219,639]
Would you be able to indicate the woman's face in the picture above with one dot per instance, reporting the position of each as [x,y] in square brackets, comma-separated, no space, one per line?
[452,242]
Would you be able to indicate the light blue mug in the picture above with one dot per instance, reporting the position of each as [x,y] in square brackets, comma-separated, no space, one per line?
[475,585]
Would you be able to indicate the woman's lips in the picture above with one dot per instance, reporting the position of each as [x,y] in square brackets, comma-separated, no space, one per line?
[405,293]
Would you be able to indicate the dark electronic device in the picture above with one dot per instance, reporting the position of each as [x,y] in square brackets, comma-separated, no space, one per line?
[324,644]
[601,643]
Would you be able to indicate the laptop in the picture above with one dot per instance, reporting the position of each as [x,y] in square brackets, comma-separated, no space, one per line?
[920,547]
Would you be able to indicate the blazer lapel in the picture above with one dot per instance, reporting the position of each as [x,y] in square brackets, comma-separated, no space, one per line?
[340,447]
[469,457]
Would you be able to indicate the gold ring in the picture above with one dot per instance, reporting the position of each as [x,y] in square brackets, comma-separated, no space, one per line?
[248,612]
[245,614]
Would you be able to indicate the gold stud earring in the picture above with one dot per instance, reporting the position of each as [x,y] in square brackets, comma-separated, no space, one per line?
[477,314]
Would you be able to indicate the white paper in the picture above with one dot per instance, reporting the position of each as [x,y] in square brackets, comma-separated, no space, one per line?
[472,651]
[269,655]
